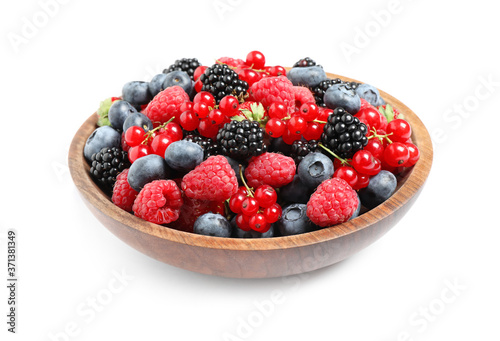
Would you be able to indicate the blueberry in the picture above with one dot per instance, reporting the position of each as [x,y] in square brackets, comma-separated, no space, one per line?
[136,93]
[146,169]
[314,169]
[358,209]
[294,220]
[104,136]
[380,188]
[183,155]
[296,191]
[342,95]
[212,224]
[179,78]
[138,119]
[370,94]
[118,113]
[156,84]
[239,233]
[309,76]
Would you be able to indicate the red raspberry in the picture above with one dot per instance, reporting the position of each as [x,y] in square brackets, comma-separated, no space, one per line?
[213,179]
[166,105]
[275,170]
[230,61]
[302,96]
[159,202]
[271,90]
[333,202]
[123,195]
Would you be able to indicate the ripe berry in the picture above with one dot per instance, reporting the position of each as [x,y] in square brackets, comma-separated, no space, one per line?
[275,127]
[229,106]
[205,97]
[266,196]
[414,154]
[134,136]
[309,111]
[275,71]
[160,144]
[137,152]
[199,71]
[396,154]
[258,223]
[235,201]
[363,181]
[372,118]
[272,213]
[348,174]
[289,137]
[174,130]
[249,206]
[400,130]
[297,125]
[242,222]
[313,131]
[189,121]
[364,162]
[277,110]
[250,76]
[256,60]
[375,147]
[207,129]
[201,110]
[216,117]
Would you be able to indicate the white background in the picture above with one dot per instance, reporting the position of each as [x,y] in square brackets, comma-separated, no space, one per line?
[432,56]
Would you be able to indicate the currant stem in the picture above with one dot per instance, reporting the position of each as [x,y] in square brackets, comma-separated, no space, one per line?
[250,192]
[320,122]
[150,133]
[343,161]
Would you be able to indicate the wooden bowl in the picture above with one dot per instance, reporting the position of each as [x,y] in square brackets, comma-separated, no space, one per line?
[255,258]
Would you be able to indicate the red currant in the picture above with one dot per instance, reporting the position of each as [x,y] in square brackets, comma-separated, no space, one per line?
[265,195]
[258,223]
[229,105]
[186,106]
[198,85]
[137,152]
[364,162]
[314,131]
[277,110]
[250,76]
[372,118]
[201,110]
[216,116]
[375,147]
[242,222]
[199,71]
[297,125]
[275,71]
[134,136]
[189,121]
[174,130]
[205,97]
[249,206]
[256,60]
[363,181]
[396,154]
[414,154]
[207,129]
[348,174]
[309,111]
[272,213]
[275,127]
[400,130]
[323,114]
[289,137]
[160,144]
[235,202]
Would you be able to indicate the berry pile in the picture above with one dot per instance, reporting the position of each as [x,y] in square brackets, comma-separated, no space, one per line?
[242,149]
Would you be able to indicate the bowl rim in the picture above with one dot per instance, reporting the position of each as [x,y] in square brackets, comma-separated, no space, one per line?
[415,180]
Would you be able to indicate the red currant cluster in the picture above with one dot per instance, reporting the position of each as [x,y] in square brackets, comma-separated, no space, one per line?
[205,116]
[389,148]
[307,122]
[140,143]
[255,210]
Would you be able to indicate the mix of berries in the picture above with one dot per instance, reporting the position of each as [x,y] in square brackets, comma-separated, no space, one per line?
[242,149]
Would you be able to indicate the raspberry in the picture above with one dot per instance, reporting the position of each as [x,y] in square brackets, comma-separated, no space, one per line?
[275,170]
[230,61]
[271,90]
[167,104]
[302,95]
[333,202]
[213,180]
[123,194]
[158,202]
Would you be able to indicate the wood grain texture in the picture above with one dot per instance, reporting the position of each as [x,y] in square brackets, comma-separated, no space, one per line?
[254,258]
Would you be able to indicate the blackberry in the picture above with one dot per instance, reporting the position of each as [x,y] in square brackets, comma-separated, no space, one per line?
[353,85]
[301,148]
[209,146]
[305,62]
[187,65]
[221,81]
[107,164]
[344,134]
[320,90]
[241,139]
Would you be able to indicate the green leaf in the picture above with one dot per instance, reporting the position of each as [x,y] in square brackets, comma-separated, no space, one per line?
[237,118]
[102,112]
